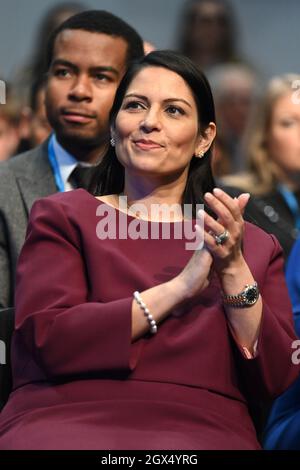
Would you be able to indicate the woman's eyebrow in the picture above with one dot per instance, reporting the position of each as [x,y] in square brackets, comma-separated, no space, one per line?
[167,100]
[178,99]
[135,95]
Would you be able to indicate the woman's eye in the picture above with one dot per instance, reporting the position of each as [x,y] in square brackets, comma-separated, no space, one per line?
[135,105]
[175,110]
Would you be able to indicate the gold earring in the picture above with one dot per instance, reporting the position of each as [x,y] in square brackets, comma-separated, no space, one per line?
[200,154]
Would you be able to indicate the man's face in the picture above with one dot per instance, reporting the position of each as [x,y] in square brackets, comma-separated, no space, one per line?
[84,74]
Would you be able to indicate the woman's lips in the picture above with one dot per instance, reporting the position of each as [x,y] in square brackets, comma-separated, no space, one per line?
[147,145]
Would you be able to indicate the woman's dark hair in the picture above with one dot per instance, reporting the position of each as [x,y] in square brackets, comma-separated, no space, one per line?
[109,177]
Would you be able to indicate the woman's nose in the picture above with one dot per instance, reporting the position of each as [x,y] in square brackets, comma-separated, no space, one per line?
[151,121]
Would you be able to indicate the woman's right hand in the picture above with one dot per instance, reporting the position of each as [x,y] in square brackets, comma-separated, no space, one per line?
[194,278]
[170,297]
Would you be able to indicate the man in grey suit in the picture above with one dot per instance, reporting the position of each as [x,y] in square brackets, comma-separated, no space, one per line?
[87,56]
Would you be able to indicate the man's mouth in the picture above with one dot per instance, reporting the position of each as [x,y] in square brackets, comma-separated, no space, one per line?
[77,116]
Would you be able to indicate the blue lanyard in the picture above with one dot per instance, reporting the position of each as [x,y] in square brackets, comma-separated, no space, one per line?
[291,202]
[55,167]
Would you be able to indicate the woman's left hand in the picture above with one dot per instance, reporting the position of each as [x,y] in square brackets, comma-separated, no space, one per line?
[230,264]
[227,253]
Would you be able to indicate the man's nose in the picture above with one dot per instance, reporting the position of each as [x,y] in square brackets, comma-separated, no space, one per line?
[81,89]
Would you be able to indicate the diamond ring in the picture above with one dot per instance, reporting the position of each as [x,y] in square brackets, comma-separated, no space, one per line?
[222,238]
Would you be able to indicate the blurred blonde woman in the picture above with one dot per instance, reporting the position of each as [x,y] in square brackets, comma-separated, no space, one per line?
[273,155]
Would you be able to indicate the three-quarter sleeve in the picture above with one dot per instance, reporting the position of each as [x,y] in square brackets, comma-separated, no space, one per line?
[63,331]
[272,370]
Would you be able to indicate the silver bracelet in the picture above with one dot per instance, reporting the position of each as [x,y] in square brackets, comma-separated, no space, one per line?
[151,321]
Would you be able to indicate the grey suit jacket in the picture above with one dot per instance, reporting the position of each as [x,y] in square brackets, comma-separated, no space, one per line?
[23,179]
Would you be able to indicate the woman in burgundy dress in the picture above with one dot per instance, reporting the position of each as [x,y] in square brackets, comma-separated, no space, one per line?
[124,337]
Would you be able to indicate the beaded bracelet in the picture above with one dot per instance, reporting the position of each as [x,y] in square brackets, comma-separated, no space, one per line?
[151,321]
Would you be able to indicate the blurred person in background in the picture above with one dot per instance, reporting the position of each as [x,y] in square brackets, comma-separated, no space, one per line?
[221,159]
[236,89]
[273,163]
[207,33]
[39,124]
[283,428]
[9,125]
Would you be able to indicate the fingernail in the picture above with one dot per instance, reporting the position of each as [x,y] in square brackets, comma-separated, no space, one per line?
[217,191]
[208,195]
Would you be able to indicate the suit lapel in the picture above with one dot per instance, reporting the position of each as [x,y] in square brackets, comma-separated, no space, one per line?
[38,180]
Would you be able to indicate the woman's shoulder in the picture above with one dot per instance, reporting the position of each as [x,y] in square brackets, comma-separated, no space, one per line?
[260,243]
[79,195]
[255,232]
[76,205]
[262,252]
[76,199]
[70,215]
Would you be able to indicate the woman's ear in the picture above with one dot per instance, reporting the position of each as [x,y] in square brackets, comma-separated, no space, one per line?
[206,138]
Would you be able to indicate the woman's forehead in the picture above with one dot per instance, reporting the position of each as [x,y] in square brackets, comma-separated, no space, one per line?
[160,81]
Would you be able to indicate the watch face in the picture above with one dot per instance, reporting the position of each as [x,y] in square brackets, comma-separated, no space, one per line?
[251,294]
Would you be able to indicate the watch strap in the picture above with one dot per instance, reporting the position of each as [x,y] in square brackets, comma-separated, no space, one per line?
[242,300]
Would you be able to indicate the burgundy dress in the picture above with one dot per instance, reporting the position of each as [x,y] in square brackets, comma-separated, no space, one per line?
[79,382]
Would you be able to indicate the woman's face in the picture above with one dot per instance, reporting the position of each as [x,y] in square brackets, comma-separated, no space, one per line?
[157,127]
[284,134]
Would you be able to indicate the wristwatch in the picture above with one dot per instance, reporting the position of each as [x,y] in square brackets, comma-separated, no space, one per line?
[248,297]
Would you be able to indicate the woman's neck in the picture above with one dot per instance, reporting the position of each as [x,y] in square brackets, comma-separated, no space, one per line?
[151,195]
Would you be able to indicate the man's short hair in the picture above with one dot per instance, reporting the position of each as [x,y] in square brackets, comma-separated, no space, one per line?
[103,22]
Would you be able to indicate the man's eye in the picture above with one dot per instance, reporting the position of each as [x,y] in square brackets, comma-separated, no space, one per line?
[175,110]
[135,105]
[102,78]
[61,73]
[287,122]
